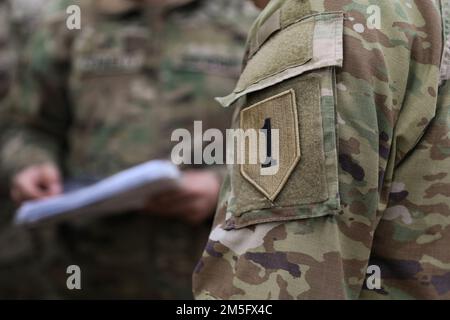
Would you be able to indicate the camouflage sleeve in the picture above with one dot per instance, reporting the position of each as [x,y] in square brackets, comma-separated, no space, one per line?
[39,111]
[350,96]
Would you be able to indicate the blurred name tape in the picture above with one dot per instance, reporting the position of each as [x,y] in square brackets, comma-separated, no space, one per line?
[125,191]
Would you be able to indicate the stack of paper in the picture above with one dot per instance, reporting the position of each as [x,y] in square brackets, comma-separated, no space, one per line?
[123,192]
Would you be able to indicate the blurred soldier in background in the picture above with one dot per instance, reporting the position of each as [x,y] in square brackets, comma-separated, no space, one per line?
[106,97]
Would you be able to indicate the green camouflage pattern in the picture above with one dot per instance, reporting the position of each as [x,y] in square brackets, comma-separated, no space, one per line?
[104,98]
[391,132]
[5,50]
[6,66]
[18,19]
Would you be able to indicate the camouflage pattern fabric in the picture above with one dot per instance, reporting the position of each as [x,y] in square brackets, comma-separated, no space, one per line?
[18,19]
[19,276]
[106,97]
[372,186]
[5,67]
[5,54]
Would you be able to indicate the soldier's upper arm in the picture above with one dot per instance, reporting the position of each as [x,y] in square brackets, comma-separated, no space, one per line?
[337,91]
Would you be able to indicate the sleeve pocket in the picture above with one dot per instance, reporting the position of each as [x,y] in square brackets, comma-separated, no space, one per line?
[288,85]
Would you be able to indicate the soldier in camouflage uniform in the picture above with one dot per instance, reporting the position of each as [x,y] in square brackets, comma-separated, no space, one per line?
[107,97]
[364,166]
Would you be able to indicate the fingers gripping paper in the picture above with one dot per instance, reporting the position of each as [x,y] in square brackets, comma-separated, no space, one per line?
[123,192]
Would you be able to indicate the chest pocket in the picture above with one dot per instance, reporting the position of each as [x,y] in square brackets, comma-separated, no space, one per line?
[286,93]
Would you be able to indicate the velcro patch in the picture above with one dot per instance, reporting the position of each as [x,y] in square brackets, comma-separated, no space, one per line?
[292,47]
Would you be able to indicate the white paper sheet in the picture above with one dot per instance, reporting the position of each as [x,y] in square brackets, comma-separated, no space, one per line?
[125,191]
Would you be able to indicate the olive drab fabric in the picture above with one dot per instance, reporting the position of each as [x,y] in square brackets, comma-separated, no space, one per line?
[372,184]
[18,19]
[106,97]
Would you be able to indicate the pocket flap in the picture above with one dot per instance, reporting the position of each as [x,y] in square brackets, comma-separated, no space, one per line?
[312,43]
